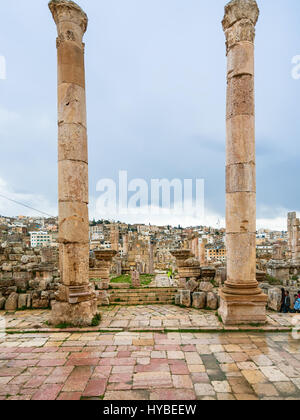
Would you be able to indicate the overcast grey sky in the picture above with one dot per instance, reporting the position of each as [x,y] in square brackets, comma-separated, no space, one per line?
[156,86]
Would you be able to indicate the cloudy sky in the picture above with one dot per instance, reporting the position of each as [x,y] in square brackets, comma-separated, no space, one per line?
[156,86]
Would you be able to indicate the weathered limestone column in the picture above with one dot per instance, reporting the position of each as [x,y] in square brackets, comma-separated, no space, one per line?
[294,237]
[202,252]
[242,301]
[75,301]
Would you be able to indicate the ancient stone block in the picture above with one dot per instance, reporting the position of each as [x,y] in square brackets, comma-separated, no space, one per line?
[72,108]
[18,250]
[14,257]
[192,285]
[241,257]
[24,301]
[11,289]
[243,309]
[11,303]
[73,182]
[44,284]
[6,267]
[103,298]
[21,280]
[240,209]
[212,301]
[206,286]
[185,298]
[71,69]
[135,279]
[72,222]
[240,96]
[199,300]
[104,284]
[2,303]
[241,177]
[25,259]
[41,302]
[72,142]
[177,299]
[240,59]
[75,264]
[274,298]
[81,314]
[182,283]
[208,274]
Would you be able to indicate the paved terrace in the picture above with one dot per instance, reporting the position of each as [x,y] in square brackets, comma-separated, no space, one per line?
[149,366]
[151,317]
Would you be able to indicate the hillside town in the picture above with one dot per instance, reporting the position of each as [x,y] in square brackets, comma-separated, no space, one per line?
[28,243]
[207,243]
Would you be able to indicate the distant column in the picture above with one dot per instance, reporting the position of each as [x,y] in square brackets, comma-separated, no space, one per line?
[202,252]
[114,237]
[294,237]
[75,301]
[242,301]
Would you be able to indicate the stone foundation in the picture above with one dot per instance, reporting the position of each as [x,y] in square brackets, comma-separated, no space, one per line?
[237,309]
[28,277]
[81,314]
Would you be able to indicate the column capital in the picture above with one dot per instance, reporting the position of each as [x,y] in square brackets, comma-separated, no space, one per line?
[239,21]
[68,15]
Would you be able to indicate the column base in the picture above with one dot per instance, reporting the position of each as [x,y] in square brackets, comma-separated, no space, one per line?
[243,309]
[78,314]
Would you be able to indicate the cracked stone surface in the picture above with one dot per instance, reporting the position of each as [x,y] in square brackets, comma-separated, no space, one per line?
[146,317]
[149,365]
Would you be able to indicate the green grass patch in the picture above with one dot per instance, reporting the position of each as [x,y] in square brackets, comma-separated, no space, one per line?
[63,326]
[125,278]
[96,320]
[273,281]
[146,279]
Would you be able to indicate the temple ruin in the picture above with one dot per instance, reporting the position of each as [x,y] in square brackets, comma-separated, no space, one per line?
[242,301]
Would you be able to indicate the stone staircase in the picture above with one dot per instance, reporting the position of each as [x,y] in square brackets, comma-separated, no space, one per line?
[142,296]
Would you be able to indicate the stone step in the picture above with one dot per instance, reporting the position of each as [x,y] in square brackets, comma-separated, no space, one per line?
[151,290]
[171,302]
[152,297]
[142,296]
[162,297]
[134,292]
[141,293]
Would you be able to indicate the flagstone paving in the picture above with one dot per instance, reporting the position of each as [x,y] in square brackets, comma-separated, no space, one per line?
[148,317]
[149,366]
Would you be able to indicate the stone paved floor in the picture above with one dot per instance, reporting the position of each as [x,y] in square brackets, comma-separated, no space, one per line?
[162,280]
[145,366]
[143,318]
[158,316]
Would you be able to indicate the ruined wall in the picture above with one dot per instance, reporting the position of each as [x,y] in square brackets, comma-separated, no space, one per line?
[28,277]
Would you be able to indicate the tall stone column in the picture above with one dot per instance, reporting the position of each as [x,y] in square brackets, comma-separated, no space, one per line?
[202,252]
[75,300]
[294,237]
[242,301]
